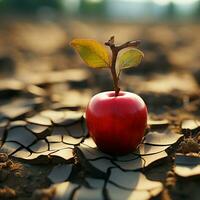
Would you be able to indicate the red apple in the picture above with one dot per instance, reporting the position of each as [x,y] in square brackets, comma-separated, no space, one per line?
[116,123]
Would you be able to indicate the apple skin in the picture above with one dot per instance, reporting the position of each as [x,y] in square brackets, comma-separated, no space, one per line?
[116,124]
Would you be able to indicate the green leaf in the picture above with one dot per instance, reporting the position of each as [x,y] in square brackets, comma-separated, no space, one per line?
[93,53]
[130,58]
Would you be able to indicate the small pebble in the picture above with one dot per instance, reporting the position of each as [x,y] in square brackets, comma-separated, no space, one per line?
[170,182]
[170,174]
[3,165]
[9,163]
[3,157]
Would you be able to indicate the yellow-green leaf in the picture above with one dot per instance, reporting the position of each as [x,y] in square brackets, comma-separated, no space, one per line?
[130,58]
[93,53]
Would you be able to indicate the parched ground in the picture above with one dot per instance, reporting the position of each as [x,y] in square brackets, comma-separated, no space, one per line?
[46,152]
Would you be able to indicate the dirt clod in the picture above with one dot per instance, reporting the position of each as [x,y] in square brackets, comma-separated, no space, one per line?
[3,157]
[7,193]
[43,194]
[189,145]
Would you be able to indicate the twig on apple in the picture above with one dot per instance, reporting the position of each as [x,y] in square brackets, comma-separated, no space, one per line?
[115,50]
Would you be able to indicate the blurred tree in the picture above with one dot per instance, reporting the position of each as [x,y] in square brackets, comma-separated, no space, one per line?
[171,10]
[93,8]
[197,10]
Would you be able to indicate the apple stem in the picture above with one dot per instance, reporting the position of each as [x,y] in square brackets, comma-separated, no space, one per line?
[114,74]
[115,50]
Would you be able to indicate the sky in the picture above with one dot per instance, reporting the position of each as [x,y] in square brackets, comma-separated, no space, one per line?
[117,7]
[162,2]
[174,1]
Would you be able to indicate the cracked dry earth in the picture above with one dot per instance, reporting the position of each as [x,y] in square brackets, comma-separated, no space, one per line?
[66,164]
[45,150]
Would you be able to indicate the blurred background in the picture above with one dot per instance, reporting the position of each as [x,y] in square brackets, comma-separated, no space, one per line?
[36,59]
